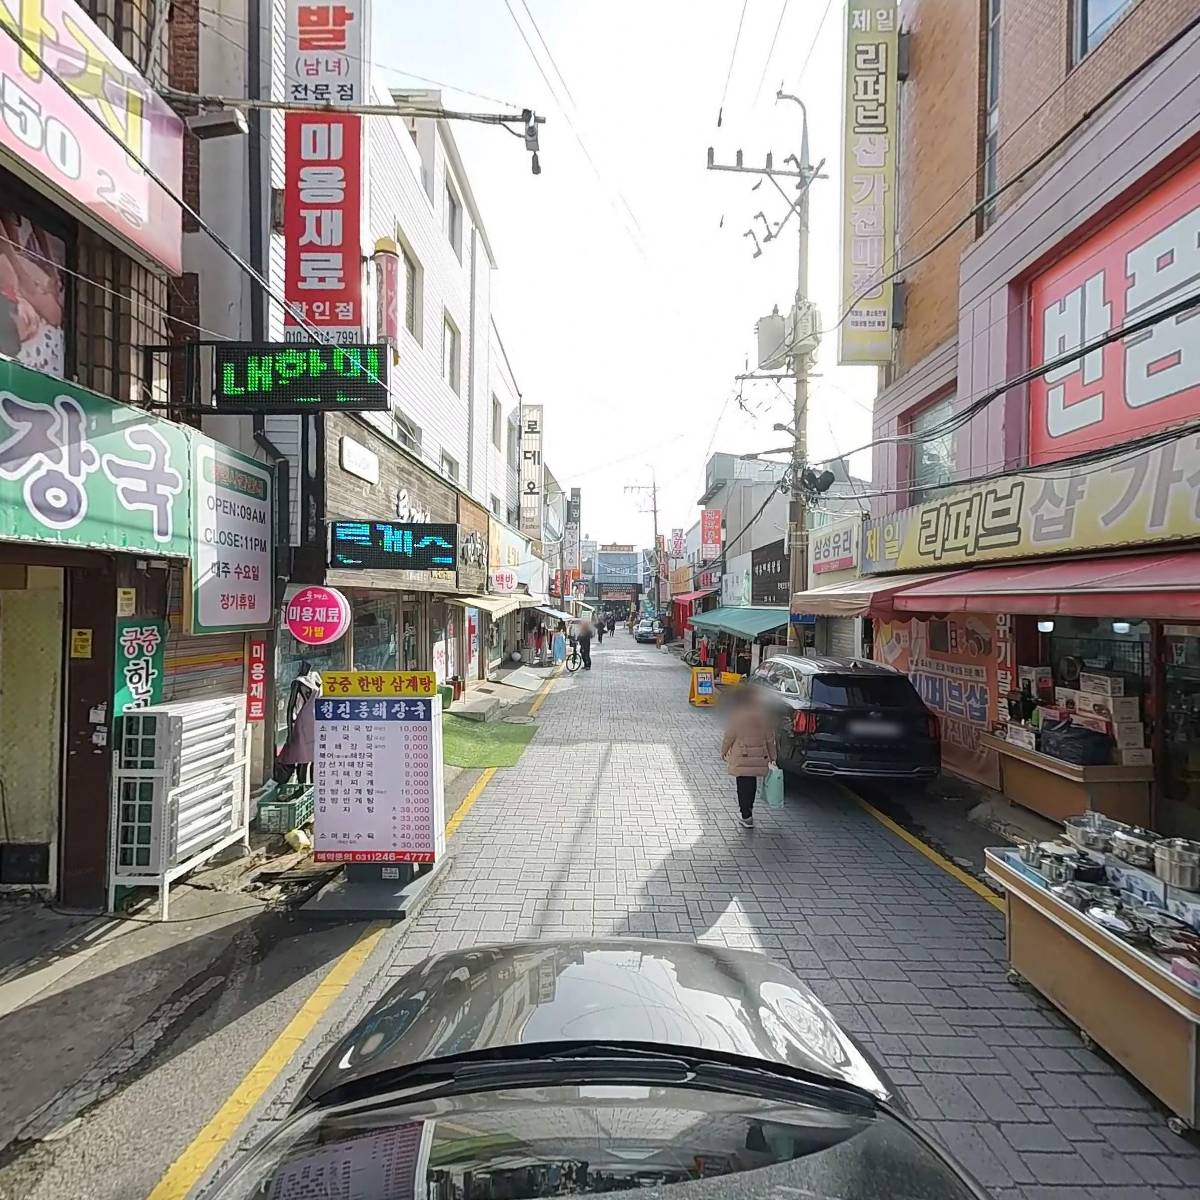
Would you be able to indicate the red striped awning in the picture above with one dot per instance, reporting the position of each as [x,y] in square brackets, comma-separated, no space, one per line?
[1144,586]
[688,597]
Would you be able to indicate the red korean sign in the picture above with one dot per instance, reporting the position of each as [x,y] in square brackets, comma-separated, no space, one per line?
[44,131]
[256,679]
[710,534]
[317,616]
[1142,261]
[322,225]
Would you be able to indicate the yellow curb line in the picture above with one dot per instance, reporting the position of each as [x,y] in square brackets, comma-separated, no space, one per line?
[540,698]
[981,890]
[460,813]
[186,1170]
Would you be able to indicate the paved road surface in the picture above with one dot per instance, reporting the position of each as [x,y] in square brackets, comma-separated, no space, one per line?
[620,820]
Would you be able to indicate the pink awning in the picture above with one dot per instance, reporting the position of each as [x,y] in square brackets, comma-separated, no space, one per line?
[1145,586]
[688,597]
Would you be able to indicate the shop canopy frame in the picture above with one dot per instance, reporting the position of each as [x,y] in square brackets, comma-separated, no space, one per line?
[495,606]
[743,622]
[865,596]
[557,613]
[688,597]
[1142,586]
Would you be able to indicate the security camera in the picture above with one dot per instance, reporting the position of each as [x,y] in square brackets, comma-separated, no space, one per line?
[218,123]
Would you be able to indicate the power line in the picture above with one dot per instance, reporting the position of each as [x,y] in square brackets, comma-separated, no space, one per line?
[770,51]
[729,73]
[634,238]
[813,44]
[379,66]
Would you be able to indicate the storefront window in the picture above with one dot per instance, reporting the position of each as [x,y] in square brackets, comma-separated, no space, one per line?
[1081,644]
[408,640]
[376,642]
[293,659]
[1181,694]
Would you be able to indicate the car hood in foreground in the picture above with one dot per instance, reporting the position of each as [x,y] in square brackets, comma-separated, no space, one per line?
[635,992]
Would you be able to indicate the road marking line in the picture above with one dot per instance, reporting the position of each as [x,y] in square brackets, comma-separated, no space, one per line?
[980,889]
[460,813]
[185,1172]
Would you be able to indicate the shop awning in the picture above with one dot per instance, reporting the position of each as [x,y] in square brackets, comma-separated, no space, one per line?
[742,622]
[494,606]
[688,597]
[556,613]
[1144,586]
[867,596]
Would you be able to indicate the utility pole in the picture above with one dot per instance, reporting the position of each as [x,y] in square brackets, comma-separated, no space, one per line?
[800,338]
[653,490]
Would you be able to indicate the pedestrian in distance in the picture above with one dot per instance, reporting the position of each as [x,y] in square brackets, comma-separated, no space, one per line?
[748,748]
[600,631]
[585,643]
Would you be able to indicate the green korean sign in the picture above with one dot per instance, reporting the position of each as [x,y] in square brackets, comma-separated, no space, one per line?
[138,663]
[79,469]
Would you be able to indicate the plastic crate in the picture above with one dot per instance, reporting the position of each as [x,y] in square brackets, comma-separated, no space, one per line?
[290,806]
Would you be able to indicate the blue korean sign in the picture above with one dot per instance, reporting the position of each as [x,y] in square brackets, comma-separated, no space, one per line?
[393,546]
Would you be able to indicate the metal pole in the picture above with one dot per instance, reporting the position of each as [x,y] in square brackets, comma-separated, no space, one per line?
[657,561]
[797,533]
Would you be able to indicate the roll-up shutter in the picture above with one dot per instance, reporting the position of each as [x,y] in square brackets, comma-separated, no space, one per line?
[200,668]
[842,641]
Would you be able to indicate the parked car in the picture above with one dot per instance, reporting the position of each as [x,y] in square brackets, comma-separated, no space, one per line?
[849,717]
[647,631]
[542,1069]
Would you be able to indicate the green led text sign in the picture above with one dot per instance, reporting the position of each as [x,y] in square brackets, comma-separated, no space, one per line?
[286,378]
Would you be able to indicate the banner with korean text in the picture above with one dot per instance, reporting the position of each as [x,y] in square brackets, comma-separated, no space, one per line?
[1144,260]
[868,181]
[1125,499]
[322,200]
[710,534]
[47,131]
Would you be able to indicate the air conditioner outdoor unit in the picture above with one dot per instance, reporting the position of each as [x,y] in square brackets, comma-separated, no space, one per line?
[181,791]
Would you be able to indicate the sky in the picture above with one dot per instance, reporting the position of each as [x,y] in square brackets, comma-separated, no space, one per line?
[626,291]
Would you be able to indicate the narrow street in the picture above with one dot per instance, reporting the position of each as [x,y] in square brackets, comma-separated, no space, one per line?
[619,820]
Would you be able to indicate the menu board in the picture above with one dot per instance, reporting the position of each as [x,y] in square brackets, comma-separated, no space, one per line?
[379,795]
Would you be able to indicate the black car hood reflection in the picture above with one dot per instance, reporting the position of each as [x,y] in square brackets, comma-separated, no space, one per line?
[634,992]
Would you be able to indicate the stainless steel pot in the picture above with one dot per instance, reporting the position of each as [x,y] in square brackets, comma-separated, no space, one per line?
[1135,846]
[1177,863]
[1092,830]
[1057,869]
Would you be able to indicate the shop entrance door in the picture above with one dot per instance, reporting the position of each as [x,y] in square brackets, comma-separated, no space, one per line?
[31,653]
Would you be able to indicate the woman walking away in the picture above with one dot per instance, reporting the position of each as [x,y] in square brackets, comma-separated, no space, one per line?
[748,749]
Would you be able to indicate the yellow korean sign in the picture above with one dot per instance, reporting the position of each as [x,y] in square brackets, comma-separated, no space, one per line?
[1126,499]
[868,180]
[378,683]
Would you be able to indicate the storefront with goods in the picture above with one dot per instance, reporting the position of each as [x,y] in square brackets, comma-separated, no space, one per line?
[136,568]
[1049,612]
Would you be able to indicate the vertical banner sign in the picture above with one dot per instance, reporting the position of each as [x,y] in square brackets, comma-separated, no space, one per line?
[138,663]
[532,472]
[710,534]
[868,181]
[256,679]
[379,796]
[678,544]
[322,206]
[233,545]
[387,292]
[571,553]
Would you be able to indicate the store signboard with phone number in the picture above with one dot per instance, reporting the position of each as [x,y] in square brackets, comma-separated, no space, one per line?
[88,164]
[379,785]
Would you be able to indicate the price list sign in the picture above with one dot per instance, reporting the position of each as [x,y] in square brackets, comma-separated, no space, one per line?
[379,795]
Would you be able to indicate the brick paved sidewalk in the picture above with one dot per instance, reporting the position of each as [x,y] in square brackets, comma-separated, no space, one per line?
[620,820]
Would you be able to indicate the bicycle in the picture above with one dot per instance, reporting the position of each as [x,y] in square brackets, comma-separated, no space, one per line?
[574,660]
[690,658]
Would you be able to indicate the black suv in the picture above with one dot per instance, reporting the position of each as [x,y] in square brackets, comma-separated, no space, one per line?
[849,717]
